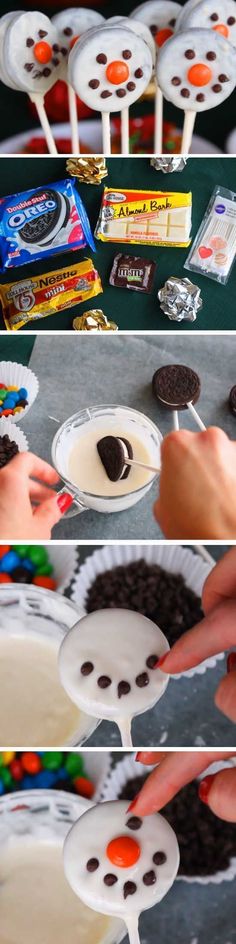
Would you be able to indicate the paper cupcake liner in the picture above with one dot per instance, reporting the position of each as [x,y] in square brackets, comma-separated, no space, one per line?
[128,768]
[17,375]
[176,559]
[64,561]
[98,767]
[15,435]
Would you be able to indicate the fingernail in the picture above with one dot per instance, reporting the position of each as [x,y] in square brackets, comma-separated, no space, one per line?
[160,661]
[64,502]
[231,661]
[133,804]
[138,755]
[205,787]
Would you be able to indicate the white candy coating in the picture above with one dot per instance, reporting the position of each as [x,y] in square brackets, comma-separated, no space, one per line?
[74,22]
[89,838]
[136,27]
[117,642]
[184,11]
[189,49]
[4,24]
[20,53]
[157,15]
[201,15]
[110,42]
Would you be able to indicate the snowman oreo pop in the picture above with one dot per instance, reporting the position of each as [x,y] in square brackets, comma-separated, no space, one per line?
[141,30]
[160,16]
[109,69]
[196,70]
[119,864]
[107,665]
[31,60]
[209,15]
[71,24]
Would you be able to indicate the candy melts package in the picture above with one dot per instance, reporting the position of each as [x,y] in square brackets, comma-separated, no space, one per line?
[39,223]
[149,218]
[213,251]
[42,295]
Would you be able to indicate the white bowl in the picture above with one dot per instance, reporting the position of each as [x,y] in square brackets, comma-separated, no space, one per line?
[17,375]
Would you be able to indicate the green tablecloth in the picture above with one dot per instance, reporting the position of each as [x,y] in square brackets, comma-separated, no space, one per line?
[133,310]
[16,117]
[11,350]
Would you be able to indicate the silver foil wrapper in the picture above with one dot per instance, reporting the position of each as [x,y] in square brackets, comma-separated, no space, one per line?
[180,299]
[168,164]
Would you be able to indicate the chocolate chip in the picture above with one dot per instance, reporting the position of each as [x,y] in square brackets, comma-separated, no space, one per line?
[87,668]
[142,680]
[149,878]
[185,93]
[200,97]
[131,86]
[55,62]
[129,889]
[214,17]
[231,20]
[223,78]
[123,689]
[172,22]
[127,54]
[152,661]
[101,58]
[104,681]
[92,865]
[29,41]
[153,28]
[175,80]
[138,73]
[217,87]
[42,33]
[21,575]
[190,54]
[46,72]
[63,51]
[28,66]
[211,55]
[121,93]
[110,879]
[68,31]
[134,822]
[94,83]
[106,94]
[159,858]
[55,47]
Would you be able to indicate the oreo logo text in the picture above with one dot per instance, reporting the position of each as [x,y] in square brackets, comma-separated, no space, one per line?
[18,219]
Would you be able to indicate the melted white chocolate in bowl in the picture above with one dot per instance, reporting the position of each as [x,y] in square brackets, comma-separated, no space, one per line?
[87,471]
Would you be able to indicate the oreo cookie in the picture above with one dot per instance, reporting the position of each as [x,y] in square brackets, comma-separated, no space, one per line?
[113,451]
[232,400]
[176,385]
[42,229]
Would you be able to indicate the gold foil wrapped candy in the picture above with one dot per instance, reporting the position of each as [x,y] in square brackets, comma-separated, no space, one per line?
[89,170]
[94,320]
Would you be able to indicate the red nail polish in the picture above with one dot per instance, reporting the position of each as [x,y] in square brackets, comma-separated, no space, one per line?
[231,661]
[204,788]
[160,662]
[138,755]
[64,502]
[133,804]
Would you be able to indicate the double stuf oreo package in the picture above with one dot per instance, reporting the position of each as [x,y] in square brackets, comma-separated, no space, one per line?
[42,222]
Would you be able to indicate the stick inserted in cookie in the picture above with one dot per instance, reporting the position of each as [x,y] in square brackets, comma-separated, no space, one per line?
[116,455]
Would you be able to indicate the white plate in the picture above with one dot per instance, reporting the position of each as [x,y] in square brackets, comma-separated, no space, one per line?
[91,135]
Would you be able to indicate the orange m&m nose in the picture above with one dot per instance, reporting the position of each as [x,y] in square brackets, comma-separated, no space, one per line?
[42,52]
[200,74]
[117,72]
[221,28]
[162,35]
[73,41]
[123,851]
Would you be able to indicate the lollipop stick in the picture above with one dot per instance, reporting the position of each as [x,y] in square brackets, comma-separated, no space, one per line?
[39,105]
[142,465]
[73,120]
[124,724]
[189,121]
[196,416]
[158,122]
[125,131]
[175,419]
[106,133]
[132,928]
[202,551]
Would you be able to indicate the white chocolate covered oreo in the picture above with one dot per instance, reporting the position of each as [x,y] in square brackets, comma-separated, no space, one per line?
[5,22]
[110,68]
[219,17]
[32,53]
[196,69]
[120,864]
[160,16]
[107,664]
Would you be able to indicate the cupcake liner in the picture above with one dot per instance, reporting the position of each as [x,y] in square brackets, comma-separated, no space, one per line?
[64,561]
[15,435]
[128,768]
[174,558]
[17,375]
[98,767]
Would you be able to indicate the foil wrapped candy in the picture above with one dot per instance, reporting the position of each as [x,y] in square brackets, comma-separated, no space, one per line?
[94,320]
[180,299]
[169,164]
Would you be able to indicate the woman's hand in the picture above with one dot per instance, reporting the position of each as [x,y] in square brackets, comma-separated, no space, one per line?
[177,768]
[197,486]
[29,507]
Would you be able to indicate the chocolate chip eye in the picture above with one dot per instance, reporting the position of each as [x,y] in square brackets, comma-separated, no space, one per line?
[87,668]
[231,20]
[123,688]
[152,661]
[55,47]
[127,54]
[175,80]
[129,889]
[104,681]
[92,865]
[42,33]
[94,83]
[134,822]
[211,55]
[142,680]
[101,58]
[63,51]
[159,858]
[110,879]
[214,17]
[172,22]
[29,41]
[190,54]
[68,31]
[149,878]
